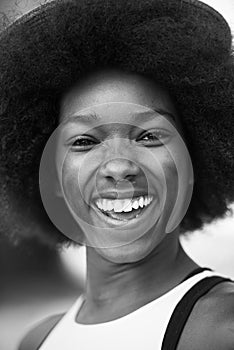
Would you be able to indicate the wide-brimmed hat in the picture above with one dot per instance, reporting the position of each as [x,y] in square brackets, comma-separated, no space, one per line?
[99,32]
[182,44]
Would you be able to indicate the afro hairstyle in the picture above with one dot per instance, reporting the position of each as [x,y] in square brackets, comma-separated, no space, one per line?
[183,51]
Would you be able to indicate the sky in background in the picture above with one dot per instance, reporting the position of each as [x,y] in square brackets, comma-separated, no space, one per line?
[226,8]
[213,246]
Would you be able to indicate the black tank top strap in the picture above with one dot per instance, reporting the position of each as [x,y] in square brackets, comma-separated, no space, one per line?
[184,307]
[195,272]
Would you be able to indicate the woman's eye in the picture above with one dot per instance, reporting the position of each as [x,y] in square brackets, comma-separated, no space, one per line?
[155,137]
[83,143]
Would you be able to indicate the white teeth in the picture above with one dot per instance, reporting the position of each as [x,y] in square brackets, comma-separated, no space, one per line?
[119,205]
[99,205]
[123,205]
[104,203]
[109,205]
[135,204]
[128,208]
[141,202]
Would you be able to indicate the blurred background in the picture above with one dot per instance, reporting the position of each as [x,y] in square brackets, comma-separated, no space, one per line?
[37,282]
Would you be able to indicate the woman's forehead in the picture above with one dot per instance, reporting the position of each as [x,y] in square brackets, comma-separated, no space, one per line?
[111,86]
[114,113]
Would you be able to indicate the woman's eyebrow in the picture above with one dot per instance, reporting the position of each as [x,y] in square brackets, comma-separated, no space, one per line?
[90,117]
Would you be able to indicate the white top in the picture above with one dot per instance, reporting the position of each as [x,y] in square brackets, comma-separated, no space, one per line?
[143,328]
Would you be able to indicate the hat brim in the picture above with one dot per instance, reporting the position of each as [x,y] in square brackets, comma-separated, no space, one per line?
[37,16]
[108,32]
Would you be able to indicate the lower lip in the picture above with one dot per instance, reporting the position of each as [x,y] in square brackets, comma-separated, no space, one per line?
[116,222]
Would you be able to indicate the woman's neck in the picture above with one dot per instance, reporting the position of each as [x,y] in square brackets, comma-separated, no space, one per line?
[114,290]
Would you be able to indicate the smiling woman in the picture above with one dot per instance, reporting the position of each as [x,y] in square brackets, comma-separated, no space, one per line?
[120,137]
[115,105]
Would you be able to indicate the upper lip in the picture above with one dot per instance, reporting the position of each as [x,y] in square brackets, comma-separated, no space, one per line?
[121,194]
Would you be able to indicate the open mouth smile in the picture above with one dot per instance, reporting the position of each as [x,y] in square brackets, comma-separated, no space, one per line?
[125,210]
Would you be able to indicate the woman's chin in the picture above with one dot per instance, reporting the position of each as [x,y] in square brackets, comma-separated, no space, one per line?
[131,252]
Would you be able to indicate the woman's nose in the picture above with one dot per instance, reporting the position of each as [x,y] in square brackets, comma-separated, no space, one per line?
[119,169]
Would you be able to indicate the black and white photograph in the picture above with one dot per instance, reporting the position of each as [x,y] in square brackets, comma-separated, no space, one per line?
[117,174]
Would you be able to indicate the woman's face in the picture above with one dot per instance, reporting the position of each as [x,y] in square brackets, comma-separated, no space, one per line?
[118,157]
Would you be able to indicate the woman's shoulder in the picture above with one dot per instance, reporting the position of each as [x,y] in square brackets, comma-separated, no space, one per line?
[209,326]
[211,322]
[34,338]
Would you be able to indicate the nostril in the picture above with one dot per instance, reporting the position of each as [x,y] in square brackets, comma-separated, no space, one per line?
[108,177]
[122,182]
[119,169]
[130,178]
[125,182]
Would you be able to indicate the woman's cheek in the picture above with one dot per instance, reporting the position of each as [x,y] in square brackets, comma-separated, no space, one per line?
[165,171]
[71,182]
[181,185]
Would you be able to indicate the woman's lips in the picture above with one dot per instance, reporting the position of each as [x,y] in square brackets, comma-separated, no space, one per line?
[123,217]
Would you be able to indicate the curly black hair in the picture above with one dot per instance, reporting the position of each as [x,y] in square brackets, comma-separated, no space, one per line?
[195,64]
